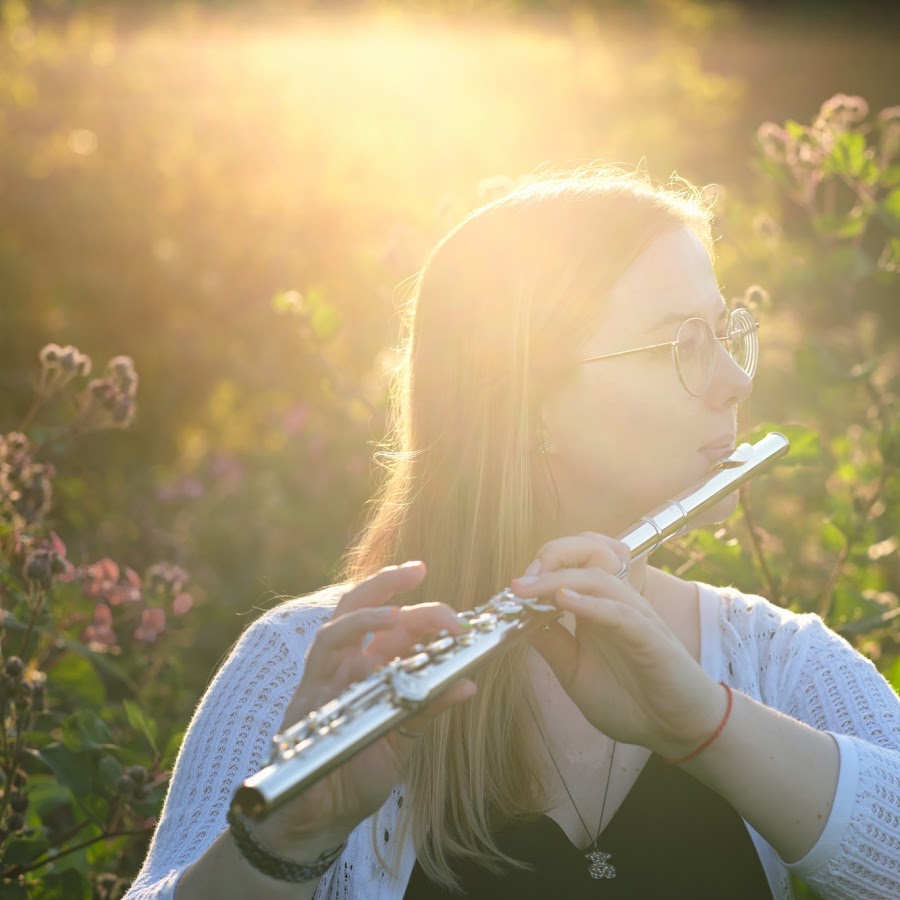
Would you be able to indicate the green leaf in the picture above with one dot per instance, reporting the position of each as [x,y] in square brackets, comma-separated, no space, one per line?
[848,226]
[805,445]
[833,539]
[851,158]
[72,769]
[85,730]
[66,885]
[75,678]
[110,770]
[22,850]
[890,206]
[139,721]
[795,129]
[173,744]
[46,794]
[893,675]
[288,302]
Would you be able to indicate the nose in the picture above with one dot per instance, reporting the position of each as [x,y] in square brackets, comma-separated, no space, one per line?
[730,384]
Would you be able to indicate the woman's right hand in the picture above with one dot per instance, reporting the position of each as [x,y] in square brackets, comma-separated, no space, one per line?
[339,656]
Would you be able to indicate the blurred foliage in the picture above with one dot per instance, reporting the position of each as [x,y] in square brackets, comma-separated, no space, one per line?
[232,200]
[88,660]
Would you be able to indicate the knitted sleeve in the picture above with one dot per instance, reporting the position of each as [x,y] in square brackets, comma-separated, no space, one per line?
[228,738]
[814,675]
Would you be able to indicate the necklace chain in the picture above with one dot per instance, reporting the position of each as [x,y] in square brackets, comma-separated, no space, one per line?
[599,863]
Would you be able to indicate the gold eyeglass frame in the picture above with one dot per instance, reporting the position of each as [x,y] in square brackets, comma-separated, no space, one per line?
[749,327]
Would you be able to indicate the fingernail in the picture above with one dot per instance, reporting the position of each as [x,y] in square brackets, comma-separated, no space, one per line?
[412,564]
[526,580]
[533,569]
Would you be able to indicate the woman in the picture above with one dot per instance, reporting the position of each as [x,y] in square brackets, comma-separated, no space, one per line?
[539,407]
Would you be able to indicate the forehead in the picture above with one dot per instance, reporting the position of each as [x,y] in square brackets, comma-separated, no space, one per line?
[673,275]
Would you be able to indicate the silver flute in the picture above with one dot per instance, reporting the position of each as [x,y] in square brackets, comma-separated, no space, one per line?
[365,711]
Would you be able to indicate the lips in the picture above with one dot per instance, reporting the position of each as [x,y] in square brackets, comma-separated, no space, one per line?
[718,448]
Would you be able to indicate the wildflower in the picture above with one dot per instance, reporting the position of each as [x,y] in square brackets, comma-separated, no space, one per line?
[182,604]
[843,110]
[153,624]
[101,632]
[755,297]
[49,356]
[772,140]
[62,364]
[14,667]
[34,494]
[42,566]
[100,579]
[121,372]
[165,579]
[14,449]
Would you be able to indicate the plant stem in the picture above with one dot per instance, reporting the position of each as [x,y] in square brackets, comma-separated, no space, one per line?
[15,871]
[772,591]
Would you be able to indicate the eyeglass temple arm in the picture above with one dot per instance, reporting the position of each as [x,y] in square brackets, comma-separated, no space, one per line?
[629,352]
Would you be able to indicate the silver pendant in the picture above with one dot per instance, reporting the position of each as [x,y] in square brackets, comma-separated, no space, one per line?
[599,865]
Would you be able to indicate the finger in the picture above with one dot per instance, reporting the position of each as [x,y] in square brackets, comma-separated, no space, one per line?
[587,549]
[596,610]
[413,624]
[381,587]
[594,582]
[347,631]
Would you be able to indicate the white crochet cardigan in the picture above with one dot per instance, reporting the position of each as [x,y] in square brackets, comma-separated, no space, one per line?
[790,662]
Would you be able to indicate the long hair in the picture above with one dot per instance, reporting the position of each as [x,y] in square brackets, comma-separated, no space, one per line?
[494,323]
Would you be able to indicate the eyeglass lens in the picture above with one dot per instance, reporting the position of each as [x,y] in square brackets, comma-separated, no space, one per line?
[695,349]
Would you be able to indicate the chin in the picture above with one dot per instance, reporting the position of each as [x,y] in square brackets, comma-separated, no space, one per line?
[717,514]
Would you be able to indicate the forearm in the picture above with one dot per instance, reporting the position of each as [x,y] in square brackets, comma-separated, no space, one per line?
[223,872]
[777,772]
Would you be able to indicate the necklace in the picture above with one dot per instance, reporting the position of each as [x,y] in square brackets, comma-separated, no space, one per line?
[599,863]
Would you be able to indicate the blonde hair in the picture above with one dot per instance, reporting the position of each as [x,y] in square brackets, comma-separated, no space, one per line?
[496,316]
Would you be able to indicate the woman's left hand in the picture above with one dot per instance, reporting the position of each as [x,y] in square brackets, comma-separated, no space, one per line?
[630,675]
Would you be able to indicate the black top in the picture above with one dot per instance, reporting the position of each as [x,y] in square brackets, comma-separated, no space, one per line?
[671,838]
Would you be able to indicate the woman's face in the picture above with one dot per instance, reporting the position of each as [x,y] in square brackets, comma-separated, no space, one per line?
[624,433]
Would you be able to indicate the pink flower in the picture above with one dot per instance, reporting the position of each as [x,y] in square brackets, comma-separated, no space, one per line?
[182,603]
[153,624]
[127,589]
[101,631]
[101,578]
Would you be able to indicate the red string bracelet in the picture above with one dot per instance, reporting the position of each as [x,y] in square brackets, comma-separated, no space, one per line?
[696,752]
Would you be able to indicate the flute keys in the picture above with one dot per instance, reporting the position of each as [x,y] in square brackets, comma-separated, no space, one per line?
[440,646]
[508,609]
[416,662]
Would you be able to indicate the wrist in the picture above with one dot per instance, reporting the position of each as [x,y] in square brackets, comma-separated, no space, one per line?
[306,860]
[300,844]
[702,728]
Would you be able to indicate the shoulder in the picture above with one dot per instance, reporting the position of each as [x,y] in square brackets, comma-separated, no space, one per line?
[305,612]
[292,624]
[753,615]
[765,649]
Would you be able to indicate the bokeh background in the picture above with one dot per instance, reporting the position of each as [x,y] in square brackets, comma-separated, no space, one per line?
[235,195]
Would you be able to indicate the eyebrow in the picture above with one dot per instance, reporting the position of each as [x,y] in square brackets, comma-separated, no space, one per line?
[677,318]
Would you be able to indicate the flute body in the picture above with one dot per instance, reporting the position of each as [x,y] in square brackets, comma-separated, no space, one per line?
[365,711]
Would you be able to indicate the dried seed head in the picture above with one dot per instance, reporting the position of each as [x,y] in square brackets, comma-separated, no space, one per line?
[14,667]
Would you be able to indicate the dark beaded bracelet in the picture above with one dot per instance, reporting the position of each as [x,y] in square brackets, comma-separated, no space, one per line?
[277,866]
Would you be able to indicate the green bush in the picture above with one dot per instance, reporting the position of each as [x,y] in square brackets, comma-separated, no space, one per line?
[89,656]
